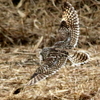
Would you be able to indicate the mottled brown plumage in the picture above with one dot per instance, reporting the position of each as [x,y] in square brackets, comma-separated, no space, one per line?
[69,28]
[56,56]
[54,61]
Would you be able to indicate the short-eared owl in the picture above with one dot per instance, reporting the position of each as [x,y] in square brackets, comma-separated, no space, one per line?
[57,56]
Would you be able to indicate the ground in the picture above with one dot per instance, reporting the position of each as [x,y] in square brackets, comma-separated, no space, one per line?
[25,29]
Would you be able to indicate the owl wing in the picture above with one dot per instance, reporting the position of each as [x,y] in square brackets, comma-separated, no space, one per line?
[69,26]
[51,65]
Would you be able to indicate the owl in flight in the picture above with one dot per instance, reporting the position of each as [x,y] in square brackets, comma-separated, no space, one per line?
[55,57]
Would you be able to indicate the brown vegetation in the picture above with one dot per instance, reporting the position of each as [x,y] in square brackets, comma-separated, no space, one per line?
[22,25]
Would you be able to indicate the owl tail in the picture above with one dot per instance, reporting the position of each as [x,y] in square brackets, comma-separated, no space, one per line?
[79,57]
[36,78]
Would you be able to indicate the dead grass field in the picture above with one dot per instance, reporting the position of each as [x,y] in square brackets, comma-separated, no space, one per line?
[21,27]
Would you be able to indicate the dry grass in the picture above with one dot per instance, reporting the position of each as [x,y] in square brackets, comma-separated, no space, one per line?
[33,19]
[25,25]
[71,83]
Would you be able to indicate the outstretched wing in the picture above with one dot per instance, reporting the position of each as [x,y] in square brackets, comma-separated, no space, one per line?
[51,66]
[69,26]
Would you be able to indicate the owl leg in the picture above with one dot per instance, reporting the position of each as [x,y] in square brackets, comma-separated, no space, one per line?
[78,58]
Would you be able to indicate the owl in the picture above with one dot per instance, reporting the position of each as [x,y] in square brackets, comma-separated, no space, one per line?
[55,57]
[54,61]
[69,28]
